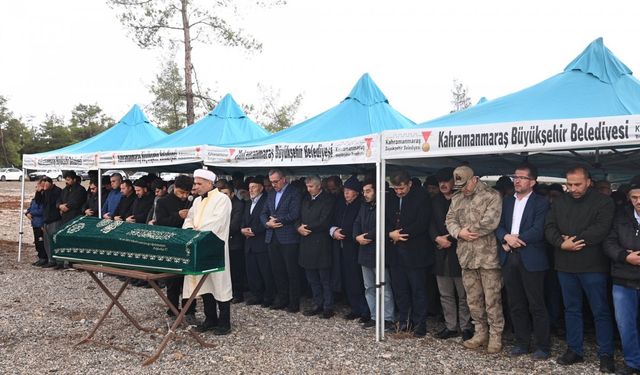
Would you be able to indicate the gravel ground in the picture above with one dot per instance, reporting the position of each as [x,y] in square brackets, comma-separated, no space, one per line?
[45,312]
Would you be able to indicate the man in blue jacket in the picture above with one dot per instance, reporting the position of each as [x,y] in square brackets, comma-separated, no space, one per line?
[524,261]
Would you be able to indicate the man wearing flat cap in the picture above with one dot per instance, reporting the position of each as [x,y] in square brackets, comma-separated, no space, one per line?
[211,211]
[350,273]
[472,219]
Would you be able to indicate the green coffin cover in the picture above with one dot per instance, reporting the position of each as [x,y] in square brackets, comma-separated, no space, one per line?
[139,246]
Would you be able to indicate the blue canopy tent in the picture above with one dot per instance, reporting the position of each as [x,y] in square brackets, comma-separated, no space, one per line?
[595,85]
[226,123]
[133,131]
[364,111]
[350,130]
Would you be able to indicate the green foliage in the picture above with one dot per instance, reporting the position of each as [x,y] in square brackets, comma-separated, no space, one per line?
[168,108]
[16,138]
[88,120]
[13,137]
[272,115]
[461,99]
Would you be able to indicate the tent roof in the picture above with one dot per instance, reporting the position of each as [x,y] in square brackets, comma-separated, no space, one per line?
[594,84]
[133,131]
[365,110]
[226,123]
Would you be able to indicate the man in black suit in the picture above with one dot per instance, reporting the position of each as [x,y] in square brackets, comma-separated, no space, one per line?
[279,216]
[236,242]
[258,266]
[171,210]
[523,258]
[315,246]
[411,253]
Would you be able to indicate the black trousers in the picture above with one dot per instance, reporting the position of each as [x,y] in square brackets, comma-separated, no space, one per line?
[238,273]
[38,240]
[286,272]
[410,291]
[174,289]
[525,293]
[260,277]
[352,281]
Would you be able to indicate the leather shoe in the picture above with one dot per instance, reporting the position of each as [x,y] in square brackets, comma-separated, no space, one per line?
[222,330]
[364,319]
[327,314]
[606,364]
[40,262]
[369,324]
[518,351]
[569,357]
[278,306]
[237,300]
[312,311]
[293,309]
[403,327]
[351,316]
[420,330]
[191,320]
[206,326]
[253,301]
[626,370]
[446,334]
[266,304]
[540,355]
[389,326]
[467,334]
[49,265]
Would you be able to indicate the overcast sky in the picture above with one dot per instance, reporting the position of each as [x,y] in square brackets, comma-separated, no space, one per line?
[56,54]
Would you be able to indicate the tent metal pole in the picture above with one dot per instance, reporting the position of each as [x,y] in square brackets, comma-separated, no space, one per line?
[99,193]
[382,241]
[379,322]
[21,213]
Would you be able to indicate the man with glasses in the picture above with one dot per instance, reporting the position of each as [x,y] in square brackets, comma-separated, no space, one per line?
[524,262]
[411,253]
[279,216]
[472,219]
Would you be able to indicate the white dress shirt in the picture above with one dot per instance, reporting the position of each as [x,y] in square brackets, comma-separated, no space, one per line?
[518,210]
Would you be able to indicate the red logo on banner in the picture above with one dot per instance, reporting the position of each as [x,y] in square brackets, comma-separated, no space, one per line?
[197,149]
[231,151]
[425,146]
[368,141]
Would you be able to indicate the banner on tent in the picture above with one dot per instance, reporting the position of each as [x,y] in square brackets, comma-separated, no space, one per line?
[523,136]
[356,150]
[148,158]
[66,162]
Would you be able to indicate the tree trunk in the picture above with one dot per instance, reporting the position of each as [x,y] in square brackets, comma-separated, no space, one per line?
[188,68]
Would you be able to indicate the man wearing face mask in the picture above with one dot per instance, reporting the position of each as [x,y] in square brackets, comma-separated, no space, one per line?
[472,219]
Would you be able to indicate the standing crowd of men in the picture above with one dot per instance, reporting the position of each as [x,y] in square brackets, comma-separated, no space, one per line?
[457,238]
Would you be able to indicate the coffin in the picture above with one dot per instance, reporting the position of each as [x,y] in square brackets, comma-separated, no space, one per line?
[138,246]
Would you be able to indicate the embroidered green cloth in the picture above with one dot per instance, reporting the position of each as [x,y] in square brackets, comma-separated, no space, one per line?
[139,246]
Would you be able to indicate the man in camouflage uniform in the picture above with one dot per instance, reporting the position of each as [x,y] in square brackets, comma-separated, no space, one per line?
[473,217]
